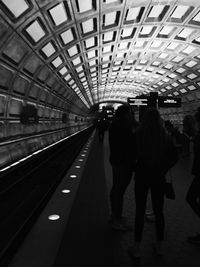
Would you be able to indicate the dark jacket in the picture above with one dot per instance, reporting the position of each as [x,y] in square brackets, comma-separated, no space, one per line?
[196,161]
[155,168]
[121,143]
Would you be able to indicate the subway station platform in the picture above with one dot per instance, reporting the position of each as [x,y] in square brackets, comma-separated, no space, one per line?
[86,240]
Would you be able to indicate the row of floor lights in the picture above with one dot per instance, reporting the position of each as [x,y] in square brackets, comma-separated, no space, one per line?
[55,217]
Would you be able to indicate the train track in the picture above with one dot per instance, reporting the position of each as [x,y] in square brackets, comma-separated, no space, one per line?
[25,190]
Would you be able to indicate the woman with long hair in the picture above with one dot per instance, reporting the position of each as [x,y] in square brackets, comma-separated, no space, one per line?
[156,154]
[122,162]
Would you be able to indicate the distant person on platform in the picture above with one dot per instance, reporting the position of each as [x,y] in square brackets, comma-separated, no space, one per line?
[188,133]
[193,194]
[122,161]
[156,154]
[101,126]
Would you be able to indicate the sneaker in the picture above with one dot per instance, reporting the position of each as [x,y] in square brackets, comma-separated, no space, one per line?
[195,239]
[134,252]
[120,224]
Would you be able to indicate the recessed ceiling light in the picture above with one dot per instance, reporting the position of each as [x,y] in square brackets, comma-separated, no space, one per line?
[48,49]
[85,5]
[58,14]
[17,8]
[133,13]
[110,18]
[67,36]
[35,31]
[179,12]
[156,11]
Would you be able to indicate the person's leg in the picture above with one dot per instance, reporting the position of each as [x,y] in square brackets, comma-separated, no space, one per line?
[149,205]
[193,195]
[100,136]
[193,199]
[149,214]
[122,175]
[141,191]
[121,179]
[116,207]
[157,195]
[126,176]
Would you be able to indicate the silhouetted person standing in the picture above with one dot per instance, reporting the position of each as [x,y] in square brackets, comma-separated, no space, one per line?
[193,194]
[156,154]
[101,126]
[188,133]
[122,161]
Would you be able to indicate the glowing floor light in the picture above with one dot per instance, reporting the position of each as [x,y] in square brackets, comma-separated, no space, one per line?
[66,191]
[73,176]
[54,217]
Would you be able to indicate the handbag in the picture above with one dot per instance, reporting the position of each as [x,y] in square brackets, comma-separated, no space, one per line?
[169,189]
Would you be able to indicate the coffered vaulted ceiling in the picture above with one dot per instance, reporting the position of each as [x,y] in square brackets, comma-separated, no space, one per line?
[88,51]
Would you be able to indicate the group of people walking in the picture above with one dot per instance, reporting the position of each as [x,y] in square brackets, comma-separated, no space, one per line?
[148,151]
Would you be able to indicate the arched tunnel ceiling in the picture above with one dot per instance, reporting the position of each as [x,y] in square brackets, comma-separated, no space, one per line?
[90,51]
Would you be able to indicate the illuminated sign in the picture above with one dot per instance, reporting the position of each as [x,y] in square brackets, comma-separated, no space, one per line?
[156,101]
[138,101]
[172,102]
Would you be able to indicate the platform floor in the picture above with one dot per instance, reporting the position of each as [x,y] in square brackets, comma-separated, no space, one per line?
[88,240]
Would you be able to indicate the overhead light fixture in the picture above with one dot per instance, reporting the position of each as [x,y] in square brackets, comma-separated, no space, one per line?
[35,31]
[17,8]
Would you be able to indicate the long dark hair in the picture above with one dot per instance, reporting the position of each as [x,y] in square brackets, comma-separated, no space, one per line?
[152,136]
[122,111]
[123,115]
